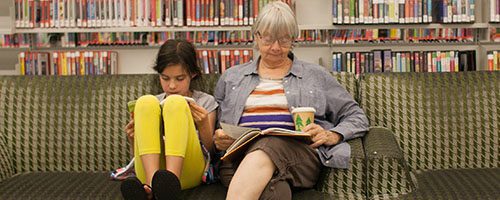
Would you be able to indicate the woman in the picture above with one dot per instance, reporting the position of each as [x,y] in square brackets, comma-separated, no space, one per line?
[262,93]
[188,128]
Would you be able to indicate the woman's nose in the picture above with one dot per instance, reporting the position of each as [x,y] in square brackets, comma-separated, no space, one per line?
[276,46]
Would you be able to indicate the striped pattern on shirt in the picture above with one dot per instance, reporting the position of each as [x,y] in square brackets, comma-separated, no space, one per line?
[267,107]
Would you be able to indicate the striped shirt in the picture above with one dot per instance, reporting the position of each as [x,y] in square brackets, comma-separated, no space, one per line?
[267,107]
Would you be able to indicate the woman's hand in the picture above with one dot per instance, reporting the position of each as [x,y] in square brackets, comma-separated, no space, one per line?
[221,140]
[200,115]
[129,129]
[320,136]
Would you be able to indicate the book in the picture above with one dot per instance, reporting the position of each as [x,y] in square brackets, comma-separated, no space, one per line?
[244,135]
[131,104]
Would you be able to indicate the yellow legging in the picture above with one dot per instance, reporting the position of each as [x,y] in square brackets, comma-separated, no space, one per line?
[181,138]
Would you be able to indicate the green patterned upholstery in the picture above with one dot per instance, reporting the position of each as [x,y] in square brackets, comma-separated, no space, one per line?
[389,175]
[62,134]
[6,169]
[346,183]
[441,121]
[68,123]
[466,184]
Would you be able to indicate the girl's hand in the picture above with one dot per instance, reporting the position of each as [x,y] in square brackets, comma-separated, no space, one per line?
[320,136]
[129,129]
[200,115]
[221,140]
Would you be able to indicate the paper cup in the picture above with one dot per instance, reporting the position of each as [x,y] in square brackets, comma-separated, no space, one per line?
[303,116]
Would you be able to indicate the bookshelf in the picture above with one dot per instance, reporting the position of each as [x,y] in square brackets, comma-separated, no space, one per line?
[311,15]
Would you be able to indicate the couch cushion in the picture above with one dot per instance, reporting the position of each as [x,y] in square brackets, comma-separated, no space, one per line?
[62,185]
[457,184]
[441,120]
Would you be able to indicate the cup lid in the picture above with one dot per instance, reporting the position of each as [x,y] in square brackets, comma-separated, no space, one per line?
[303,109]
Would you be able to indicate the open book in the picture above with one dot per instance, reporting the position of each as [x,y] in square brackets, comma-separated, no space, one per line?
[244,136]
[131,104]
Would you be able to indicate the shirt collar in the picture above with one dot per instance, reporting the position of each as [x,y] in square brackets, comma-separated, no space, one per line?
[296,69]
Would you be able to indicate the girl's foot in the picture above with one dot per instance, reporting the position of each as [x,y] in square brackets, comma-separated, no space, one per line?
[166,185]
[132,189]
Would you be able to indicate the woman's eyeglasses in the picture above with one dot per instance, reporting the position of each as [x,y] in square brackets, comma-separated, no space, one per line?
[268,41]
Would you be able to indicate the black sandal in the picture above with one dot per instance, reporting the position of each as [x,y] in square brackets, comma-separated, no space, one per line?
[166,185]
[133,189]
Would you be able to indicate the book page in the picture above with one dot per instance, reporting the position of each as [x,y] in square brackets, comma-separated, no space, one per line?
[236,131]
[242,140]
[282,131]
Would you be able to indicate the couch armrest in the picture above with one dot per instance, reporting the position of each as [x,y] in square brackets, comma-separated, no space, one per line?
[387,171]
[346,183]
[6,167]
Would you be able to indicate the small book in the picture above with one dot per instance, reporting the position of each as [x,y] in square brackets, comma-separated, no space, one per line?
[244,136]
[131,104]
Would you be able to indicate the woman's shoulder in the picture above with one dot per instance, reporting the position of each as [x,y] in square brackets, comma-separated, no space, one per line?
[240,69]
[313,68]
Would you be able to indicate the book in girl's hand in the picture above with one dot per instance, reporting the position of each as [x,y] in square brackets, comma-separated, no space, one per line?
[244,136]
[131,104]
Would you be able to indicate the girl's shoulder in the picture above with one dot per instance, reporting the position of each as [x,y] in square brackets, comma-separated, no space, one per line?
[200,95]
[205,100]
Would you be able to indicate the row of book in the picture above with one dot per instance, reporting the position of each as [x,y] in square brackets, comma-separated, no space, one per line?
[217,61]
[68,63]
[215,38]
[125,13]
[402,11]
[402,35]
[404,61]
[493,60]
[199,38]
[494,10]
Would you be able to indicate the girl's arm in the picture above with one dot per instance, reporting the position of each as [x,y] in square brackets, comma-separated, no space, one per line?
[205,123]
[207,130]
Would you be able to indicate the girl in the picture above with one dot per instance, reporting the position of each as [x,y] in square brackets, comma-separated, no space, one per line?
[187,126]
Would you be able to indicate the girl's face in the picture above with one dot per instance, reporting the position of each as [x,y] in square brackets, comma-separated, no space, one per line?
[176,80]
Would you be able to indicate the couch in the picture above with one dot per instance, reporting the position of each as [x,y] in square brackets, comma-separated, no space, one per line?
[441,135]
[433,135]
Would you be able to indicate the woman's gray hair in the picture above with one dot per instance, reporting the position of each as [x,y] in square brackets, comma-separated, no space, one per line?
[276,19]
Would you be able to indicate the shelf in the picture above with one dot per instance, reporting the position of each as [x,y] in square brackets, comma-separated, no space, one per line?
[491,43]
[495,24]
[14,49]
[122,47]
[132,29]
[245,28]
[250,45]
[389,26]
